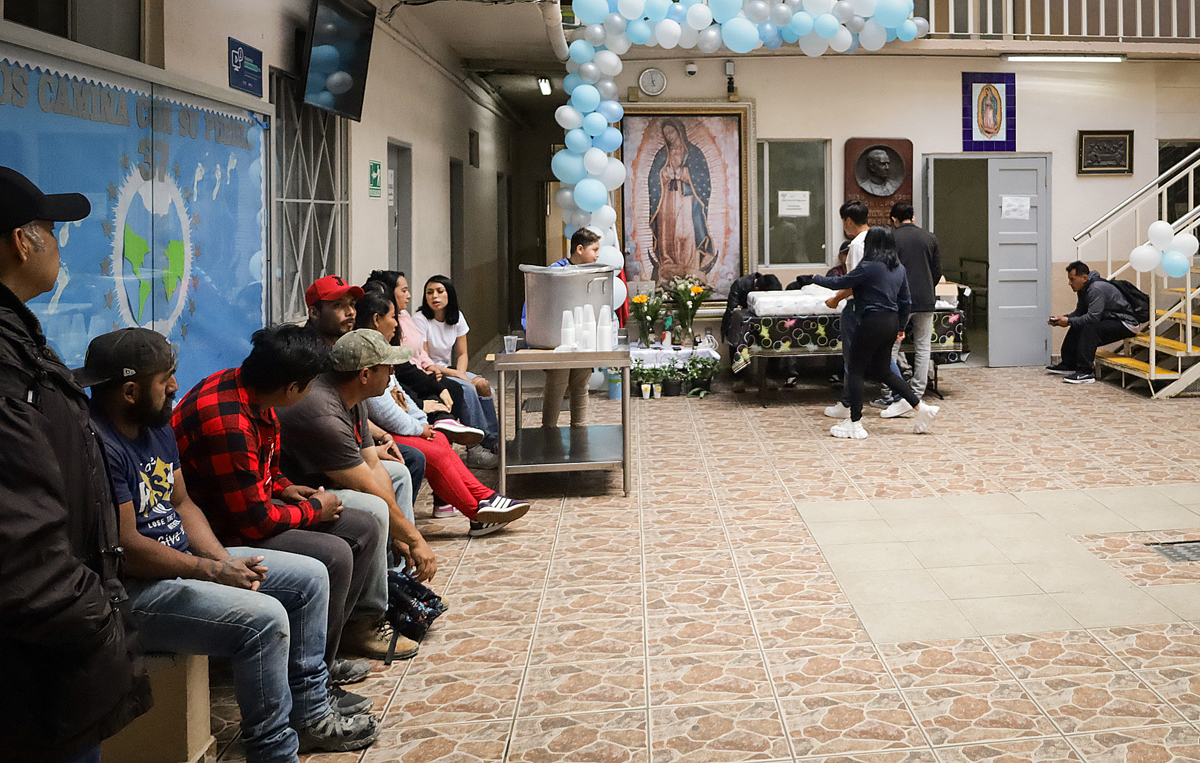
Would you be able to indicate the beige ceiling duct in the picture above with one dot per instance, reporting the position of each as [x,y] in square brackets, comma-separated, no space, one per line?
[552,14]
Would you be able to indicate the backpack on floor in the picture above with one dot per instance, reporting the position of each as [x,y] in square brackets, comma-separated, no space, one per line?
[1139,301]
[412,608]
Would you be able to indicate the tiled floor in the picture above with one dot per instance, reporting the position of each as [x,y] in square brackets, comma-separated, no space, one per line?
[980,594]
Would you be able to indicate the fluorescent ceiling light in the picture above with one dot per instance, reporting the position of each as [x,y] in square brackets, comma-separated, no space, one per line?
[1078,59]
[544,85]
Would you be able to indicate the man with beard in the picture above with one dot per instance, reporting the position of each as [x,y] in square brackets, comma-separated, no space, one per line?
[263,608]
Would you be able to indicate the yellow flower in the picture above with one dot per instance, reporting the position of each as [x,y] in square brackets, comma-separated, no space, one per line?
[641,299]
[697,289]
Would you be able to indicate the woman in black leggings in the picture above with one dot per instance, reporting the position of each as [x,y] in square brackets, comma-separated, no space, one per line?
[881,298]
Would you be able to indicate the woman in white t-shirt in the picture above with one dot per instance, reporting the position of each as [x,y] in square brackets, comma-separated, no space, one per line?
[445,328]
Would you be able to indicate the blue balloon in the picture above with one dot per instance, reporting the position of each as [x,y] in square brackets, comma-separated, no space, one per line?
[585,98]
[687,4]
[656,10]
[788,35]
[611,110]
[891,34]
[853,44]
[609,140]
[638,31]
[324,58]
[1175,264]
[907,31]
[594,124]
[826,25]
[569,230]
[767,31]
[578,141]
[775,43]
[891,13]
[739,35]
[677,13]
[590,11]
[590,194]
[324,99]
[581,51]
[568,167]
[801,24]
[570,82]
[724,10]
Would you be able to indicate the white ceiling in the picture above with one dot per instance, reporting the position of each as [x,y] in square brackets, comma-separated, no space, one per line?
[477,31]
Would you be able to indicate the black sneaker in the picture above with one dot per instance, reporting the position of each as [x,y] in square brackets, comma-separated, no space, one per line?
[337,733]
[348,703]
[1080,377]
[1062,369]
[344,671]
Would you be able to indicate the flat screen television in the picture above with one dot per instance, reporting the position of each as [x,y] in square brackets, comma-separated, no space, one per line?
[337,51]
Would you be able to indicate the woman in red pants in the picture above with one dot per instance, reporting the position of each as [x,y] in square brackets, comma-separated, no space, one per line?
[396,413]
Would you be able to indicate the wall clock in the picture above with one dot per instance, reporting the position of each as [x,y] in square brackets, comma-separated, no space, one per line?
[652,82]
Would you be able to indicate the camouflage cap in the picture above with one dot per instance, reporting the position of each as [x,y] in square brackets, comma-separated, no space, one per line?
[364,348]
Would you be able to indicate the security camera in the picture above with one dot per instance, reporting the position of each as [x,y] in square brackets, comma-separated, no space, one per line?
[690,69]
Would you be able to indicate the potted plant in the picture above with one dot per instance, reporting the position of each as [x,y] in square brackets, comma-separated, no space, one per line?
[673,381]
[687,294]
[700,371]
[640,376]
[655,377]
[646,308]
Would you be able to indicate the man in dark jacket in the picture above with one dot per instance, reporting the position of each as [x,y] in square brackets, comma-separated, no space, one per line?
[918,250]
[739,290]
[68,663]
[1102,316]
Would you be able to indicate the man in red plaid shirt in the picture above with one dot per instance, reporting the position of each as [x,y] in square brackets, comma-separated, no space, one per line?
[228,436]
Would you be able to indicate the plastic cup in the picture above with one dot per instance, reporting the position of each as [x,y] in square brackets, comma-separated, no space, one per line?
[510,344]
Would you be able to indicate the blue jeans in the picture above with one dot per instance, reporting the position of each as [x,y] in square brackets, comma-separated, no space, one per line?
[480,412]
[372,604]
[414,461]
[275,636]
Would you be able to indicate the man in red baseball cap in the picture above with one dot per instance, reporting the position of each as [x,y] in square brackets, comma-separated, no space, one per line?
[330,303]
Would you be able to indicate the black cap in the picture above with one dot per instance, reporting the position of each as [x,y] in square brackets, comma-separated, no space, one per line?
[23,202]
[124,354]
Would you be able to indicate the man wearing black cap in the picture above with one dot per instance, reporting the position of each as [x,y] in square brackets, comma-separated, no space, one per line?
[65,639]
[191,594]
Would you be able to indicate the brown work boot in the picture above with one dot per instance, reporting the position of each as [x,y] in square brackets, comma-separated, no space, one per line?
[369,638]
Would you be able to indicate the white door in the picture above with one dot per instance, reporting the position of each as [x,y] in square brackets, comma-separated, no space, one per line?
[1018,260]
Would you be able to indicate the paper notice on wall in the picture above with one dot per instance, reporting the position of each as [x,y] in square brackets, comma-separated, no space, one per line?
[793,203]
[1014,207]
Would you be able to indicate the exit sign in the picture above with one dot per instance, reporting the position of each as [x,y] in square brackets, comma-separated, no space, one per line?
[375,179]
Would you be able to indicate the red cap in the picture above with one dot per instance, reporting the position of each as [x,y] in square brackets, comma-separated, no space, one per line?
[328,289]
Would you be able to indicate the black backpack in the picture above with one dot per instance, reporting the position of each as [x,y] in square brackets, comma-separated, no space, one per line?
[1139,301]
[412,608]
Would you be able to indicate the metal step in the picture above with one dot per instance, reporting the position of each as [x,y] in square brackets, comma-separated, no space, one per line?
[1179,316]
[1179,290]
[1132,366]
[1169,346]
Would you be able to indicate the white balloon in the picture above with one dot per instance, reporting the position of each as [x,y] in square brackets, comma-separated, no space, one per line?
[605,216]
[688,37]
[620,292]
[631,9]
[855,24]
[567,214]
[699,17]
[608,237]
[619,44]
[589,73]
[667,33]
[781,14]
[863,8]
[595,161]
[841,41]
[572,66]
[614,174]
[568,117]
[595,34]
[816,8]
[610,255]
[873,36]
[609,63]
[842,11]
[607,89]
[813,44]
[579,218]
[709,40]
[565,197]
[614,24]
[1184,243]
[1144,258]
[922,26]
[339,82]
[757,11]
[1160,235]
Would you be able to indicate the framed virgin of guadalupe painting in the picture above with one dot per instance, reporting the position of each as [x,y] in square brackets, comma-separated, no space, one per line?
[684,206]
[989,111]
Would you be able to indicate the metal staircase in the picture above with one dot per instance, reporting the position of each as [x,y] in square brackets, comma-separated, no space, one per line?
[1166,353]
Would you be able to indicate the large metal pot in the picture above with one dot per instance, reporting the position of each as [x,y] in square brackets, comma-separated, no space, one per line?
[550,291]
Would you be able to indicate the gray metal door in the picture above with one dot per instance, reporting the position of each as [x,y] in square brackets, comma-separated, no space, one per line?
[399,198]
[1018,260]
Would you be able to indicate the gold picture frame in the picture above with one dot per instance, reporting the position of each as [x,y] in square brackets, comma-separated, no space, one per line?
[711,187]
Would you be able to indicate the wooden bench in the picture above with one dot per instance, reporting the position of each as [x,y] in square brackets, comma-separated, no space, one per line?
[176,730]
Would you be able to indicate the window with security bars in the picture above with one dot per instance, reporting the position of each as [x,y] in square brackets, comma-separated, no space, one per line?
[310,220]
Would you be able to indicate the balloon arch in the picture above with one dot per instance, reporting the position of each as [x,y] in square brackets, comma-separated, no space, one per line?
[586,168]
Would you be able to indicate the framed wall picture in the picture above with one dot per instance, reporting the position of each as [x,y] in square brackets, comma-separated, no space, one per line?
[989,111]
[684,206]
[1104,152]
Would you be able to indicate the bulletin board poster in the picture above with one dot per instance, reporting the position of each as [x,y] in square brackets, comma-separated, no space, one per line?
[176,239]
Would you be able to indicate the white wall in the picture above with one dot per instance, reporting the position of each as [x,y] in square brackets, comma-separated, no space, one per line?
[416,94]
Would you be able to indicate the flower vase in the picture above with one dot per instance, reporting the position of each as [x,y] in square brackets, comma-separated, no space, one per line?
[645,391]
[657,391]
[686,340]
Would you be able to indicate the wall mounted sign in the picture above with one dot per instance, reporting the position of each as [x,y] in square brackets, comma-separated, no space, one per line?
[245,68]
[374,179]
[1105,152]
[879,174]
[989,111]
[794,203]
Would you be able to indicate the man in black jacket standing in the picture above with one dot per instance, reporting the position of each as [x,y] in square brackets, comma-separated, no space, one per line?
[70,672]
[918,250]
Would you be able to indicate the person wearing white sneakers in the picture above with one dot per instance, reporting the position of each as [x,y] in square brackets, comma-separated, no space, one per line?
[854,225]
[882,304]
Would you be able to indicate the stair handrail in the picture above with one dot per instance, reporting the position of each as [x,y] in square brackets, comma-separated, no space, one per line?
[1195,155]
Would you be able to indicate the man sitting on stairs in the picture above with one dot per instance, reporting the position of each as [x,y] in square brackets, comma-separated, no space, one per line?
[1102,316]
